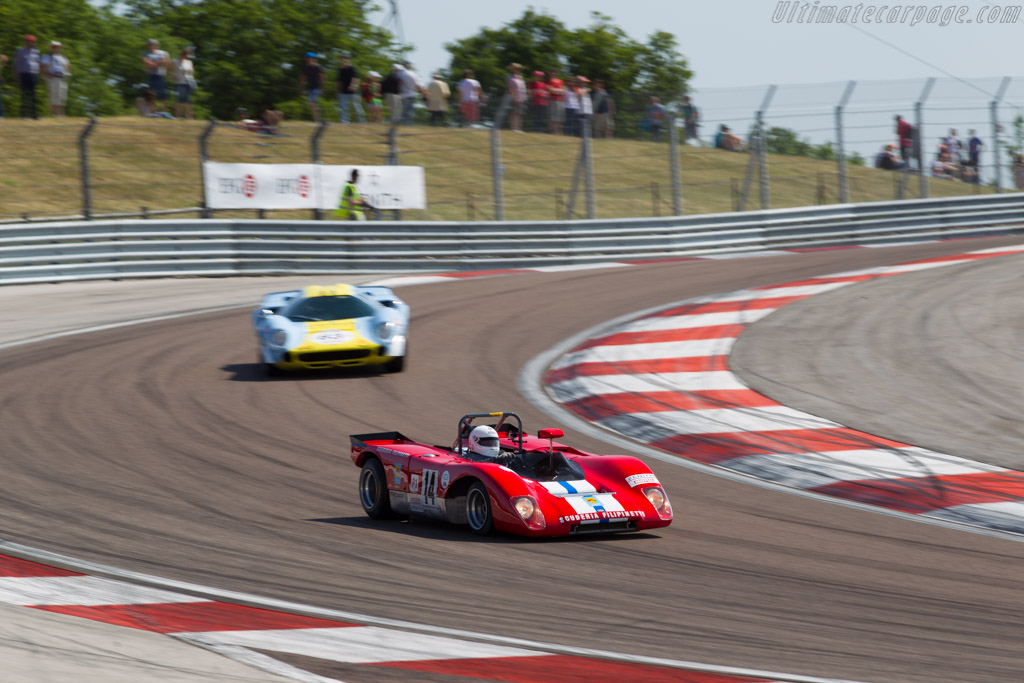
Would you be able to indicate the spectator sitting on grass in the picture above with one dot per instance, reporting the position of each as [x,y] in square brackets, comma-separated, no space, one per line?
[726,139]
[148,106]
[888,159]
[943,166]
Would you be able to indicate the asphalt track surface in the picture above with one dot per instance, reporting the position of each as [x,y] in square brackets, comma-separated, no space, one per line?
[161,449]
[931,358]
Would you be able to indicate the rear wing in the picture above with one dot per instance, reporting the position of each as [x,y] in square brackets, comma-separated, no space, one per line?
[378,439]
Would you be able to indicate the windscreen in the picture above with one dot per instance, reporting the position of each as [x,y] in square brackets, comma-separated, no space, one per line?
[327,308]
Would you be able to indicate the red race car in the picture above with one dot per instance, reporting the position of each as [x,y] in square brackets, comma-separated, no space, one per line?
[498,477]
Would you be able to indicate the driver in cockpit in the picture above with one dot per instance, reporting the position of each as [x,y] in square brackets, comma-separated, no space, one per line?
[483,441]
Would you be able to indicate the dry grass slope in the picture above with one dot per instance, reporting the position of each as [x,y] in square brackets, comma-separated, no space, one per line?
[154,163]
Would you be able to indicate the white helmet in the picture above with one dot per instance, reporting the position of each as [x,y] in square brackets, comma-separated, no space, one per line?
[483,440]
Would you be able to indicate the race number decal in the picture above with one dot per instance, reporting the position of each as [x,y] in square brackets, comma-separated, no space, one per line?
[430,487]
[332,337]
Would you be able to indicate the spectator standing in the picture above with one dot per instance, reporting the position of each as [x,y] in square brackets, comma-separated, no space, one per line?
[311,78]
[604,111]
[184,83]
[3,64]
[409,86]
[572,107]
[57,70]
[438,93]
[953,146]
[691,118]
[348,91]
[517,96]
[656,117]
[470,97]
[156,60]
[390,88]
[905,133]
[26,66]
[556,102]
[586,101]
[538,101]
[372,96]
[974,146]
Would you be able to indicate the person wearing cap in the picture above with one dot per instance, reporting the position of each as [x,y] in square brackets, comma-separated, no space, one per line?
[372,97]
[438,93]
[538,101]
[26,67]
[57,70]
[311,79]
[156,61]
[556,101]
[888,159]
[516,95]
[348,90]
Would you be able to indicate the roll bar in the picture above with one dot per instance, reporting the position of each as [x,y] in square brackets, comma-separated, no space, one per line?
[466,420]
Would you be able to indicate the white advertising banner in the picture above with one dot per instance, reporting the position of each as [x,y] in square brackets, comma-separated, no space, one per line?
[310,186]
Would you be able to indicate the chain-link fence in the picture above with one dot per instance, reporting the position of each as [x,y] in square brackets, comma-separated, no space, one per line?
[795,145]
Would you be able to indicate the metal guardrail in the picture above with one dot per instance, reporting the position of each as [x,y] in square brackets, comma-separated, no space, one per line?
[95,250]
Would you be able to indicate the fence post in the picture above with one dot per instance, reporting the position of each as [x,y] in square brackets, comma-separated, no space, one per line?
[919,135]
[673,150]
[588,160]
[83,158]
[314,148]
[757,154]
[204,156]
[844,195]
[994,116]
[762,163]
[655,200]
[497,169]
[559,203]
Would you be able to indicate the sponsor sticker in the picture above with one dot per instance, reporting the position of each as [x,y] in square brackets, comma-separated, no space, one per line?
[398,474]
[603,514]
[414,483]
[445,478]
[332,337]
[639,479]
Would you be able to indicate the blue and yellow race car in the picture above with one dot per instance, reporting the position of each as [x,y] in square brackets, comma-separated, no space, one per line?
[331,326]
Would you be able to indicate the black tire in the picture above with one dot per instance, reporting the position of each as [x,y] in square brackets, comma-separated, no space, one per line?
[271,370]
[478,510]
[373,490]
[395,364]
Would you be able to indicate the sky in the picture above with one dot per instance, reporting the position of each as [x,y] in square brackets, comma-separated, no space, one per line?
[737,43]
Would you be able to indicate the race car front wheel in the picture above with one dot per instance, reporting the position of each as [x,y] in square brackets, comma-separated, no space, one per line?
[478,510]
[373,490]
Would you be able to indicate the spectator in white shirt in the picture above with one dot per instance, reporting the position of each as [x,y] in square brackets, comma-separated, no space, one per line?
[57,70]
[470,97]
[185,83]
[409,86]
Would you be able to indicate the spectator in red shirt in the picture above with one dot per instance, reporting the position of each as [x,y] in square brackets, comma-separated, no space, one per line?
[556,102]
[905,131]
[538,101]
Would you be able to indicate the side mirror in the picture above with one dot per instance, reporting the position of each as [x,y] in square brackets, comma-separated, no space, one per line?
[551,434]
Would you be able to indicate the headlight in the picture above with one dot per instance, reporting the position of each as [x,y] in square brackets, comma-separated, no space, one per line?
[659,500]
[386,330]
[656,497]
[525,507]
[279,338]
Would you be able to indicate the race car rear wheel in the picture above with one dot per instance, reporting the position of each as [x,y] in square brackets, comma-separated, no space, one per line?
[373,490]
[478,510]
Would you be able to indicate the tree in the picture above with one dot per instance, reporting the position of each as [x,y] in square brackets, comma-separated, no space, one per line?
[601,50]
[249,52]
